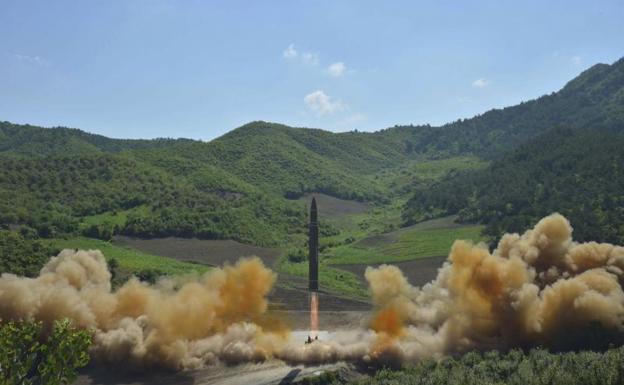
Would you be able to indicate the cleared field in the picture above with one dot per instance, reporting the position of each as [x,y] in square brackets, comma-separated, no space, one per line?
[393,236]
[332,208]
[418,272]
[207,252]
[130,260]
[403,245]
[290,292]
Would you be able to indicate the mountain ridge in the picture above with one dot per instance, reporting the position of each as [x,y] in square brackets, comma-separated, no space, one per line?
[268,162]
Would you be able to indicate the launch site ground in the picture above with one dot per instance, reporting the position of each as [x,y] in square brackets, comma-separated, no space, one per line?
[419,251]
[264,373]
[367,236]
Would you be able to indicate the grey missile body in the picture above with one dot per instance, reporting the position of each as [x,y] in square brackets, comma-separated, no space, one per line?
[313,248]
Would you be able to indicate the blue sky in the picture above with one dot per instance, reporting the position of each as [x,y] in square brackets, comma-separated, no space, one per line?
[144,69]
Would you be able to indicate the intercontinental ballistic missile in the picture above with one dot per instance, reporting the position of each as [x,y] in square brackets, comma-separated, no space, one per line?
[313,243]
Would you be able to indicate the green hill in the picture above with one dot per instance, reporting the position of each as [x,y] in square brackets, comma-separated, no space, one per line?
[243,184]
[593,99]
[32,141]
[578,173]
[54,195]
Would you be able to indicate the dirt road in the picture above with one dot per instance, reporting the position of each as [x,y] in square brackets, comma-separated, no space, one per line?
[265,373]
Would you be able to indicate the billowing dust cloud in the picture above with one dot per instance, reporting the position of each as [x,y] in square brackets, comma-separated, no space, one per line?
[220,316]
[532,290]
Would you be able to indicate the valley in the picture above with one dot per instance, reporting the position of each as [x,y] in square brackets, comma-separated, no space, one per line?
[174,206]
[311,192]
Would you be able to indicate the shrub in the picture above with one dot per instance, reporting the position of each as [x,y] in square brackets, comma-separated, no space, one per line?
[27,357]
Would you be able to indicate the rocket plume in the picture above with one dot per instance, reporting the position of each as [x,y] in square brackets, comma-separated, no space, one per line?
[538,288]
[314,321]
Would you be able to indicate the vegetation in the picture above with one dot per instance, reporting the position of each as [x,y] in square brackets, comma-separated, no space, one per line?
[66,195]
[28,356]
[572,171]
[593,99]
[403,245]
[536,367]
[21,253]
[143,265]
[503,169]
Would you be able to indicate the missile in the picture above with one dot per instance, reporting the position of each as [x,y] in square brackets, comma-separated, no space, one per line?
[313,244]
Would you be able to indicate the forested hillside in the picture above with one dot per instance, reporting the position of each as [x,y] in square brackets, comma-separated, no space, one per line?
[242,185]
[61,181]
[576,172]
[593,99]
[55,194]
[33,141]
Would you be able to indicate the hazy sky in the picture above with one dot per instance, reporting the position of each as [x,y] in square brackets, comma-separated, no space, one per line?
[201,68]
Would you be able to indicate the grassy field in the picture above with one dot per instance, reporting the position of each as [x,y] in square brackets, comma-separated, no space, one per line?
[130,260]
[402,245]
[374,236]
[204,251]
[368,233]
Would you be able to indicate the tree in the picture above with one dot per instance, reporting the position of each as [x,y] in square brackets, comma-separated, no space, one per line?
[28,357]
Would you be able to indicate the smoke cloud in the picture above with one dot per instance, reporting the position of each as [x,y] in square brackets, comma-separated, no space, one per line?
[534,289]
[218,317]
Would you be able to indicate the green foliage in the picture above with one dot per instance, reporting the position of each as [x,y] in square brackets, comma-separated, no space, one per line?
[28,355]
[537,367]
[149,275]
[423,172]
[33,141]
[65,182]
[296,254]
[22,255]
[593,99]
[54,194]
[129,260]
[578,173]
[403,245]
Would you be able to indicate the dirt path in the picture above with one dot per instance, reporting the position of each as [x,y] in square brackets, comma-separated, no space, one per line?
[265,373]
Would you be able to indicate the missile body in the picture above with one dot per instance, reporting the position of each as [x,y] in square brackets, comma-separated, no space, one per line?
[314,248]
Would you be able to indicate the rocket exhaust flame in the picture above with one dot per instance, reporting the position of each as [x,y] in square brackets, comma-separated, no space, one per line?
[538,288]
[314,321]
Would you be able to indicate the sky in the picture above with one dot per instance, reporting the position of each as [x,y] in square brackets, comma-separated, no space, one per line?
[197,69]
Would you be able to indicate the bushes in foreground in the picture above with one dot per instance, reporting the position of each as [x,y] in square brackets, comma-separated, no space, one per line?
[536,367]
[30,355]
[21,253]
